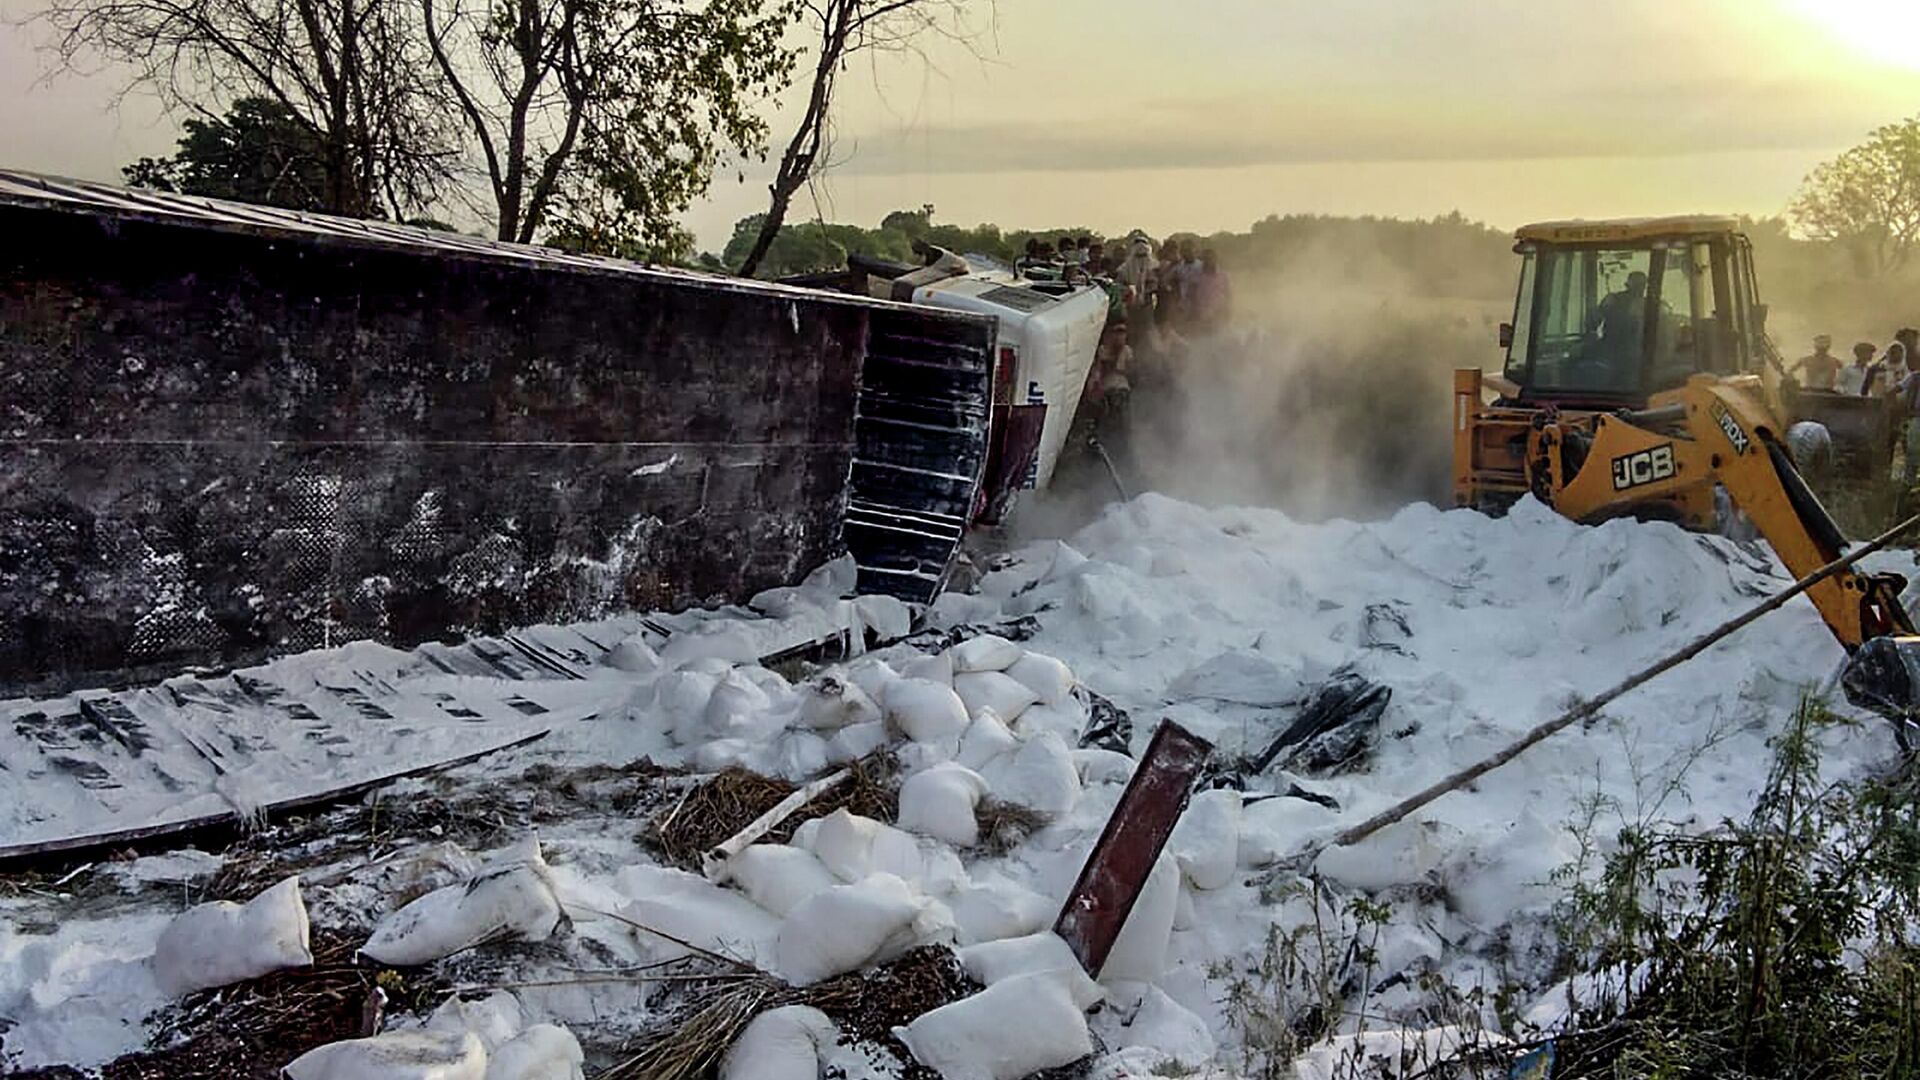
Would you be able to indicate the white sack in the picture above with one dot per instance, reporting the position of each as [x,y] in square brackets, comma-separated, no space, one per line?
[871,674]
[937,667]
[831,701]
[496,1018]
[1066,721]
[695,910]
[1097,766]
[417,871]
[1039,776]
[913,757]
[951,609]
[999,910]
[1139,953]
[800,756]
[221,943]
[994,690]
[1183,912]
[926,711]
[784,696]
[737,708]
[1050,680]
[715,755]
[1206,842]
[1158,1025]
[512,899]
[1007,1031]
[681,697]
[844,928]
[993,962]
[888,616]
[778,876]
[726,640]
[986,739]
[780,1044]
[834,578]
[855,741]
[852,847]
[397,1055]
[988,652]
[542,1052]
[782,602]
[633,655]
[939,802]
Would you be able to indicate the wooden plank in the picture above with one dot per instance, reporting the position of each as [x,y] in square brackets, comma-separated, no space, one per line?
[1136,832]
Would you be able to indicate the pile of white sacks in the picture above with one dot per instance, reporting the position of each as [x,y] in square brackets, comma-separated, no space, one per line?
[984,719]
[511,897]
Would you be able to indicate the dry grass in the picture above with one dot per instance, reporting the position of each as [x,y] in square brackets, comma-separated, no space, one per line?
[711,812]
[250,1030]
[693,1045]
[729,801]
[872,791]
[866,1006]
[1004,825]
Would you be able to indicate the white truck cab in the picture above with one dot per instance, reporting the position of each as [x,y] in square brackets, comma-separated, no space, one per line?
[1048,334]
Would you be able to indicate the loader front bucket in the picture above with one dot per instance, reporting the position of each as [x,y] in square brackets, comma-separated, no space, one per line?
[1884,675]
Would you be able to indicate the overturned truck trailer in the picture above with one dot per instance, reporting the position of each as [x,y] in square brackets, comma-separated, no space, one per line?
[228,431]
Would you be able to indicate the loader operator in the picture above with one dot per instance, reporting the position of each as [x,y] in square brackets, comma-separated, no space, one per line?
[1620,319]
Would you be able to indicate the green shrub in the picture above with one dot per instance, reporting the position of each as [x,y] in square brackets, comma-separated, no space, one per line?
[1780,946]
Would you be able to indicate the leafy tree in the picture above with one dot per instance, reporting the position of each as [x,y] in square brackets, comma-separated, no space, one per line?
[795,249]
[618,238]
[352,71]
[1868,199]
[572,101]
[913,223]
[259,153]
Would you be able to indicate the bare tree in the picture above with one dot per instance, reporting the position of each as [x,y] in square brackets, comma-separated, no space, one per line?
[1868,199]
[351,70]
[622,103]
[844,28]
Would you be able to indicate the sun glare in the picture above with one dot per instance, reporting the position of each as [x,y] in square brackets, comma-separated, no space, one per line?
[1883,30]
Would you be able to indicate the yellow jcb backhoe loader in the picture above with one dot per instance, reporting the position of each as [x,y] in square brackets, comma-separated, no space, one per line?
[1631,389]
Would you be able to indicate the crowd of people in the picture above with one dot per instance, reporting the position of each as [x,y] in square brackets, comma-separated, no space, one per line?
[1181,288]
[1874,371]
[1167,303]
[1893,372]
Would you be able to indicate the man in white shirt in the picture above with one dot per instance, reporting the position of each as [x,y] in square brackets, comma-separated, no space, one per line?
[1853,378]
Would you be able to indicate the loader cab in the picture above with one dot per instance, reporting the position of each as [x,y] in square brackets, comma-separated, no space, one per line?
[1608,313]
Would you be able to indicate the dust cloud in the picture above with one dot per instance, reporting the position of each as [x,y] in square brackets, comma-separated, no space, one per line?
[1321,399]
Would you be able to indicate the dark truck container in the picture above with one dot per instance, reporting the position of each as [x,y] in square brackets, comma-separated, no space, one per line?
[228,431]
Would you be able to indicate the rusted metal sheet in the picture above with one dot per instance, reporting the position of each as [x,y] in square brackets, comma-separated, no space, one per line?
[1117,867]
[230,432]
[1016,439]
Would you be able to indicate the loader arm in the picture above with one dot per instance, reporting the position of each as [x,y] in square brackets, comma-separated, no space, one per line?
[1664,461]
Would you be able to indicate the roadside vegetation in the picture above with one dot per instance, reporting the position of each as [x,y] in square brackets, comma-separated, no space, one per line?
[1783,945]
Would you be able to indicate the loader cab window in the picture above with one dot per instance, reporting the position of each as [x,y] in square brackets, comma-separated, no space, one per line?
[1516,368]
[1588,322]
[1746,330]
[1683,344]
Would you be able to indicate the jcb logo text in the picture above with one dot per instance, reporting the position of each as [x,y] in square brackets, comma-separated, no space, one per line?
[1644,467]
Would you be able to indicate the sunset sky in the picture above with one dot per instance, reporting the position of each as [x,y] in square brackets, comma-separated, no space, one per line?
[1210,114]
